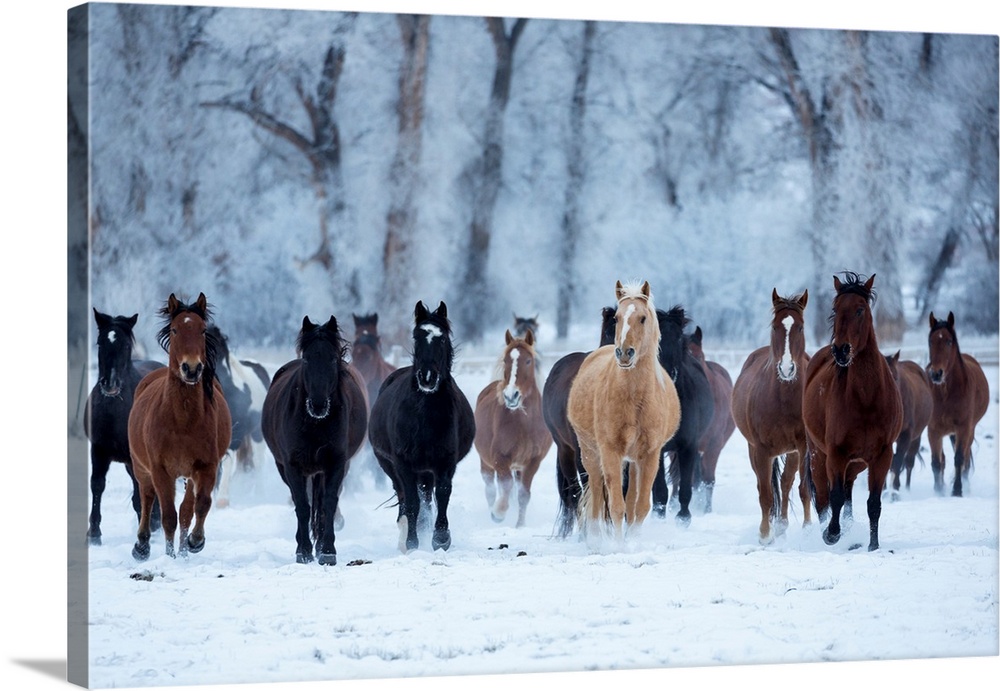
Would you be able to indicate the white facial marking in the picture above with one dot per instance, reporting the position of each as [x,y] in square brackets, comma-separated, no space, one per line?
[511,387]
[627,326]
[111,337]
[187,320]
[786,356]
[432,332]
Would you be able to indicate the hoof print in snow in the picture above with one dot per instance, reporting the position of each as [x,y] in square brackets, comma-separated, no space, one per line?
[145,576]
[359,562]
[522,553]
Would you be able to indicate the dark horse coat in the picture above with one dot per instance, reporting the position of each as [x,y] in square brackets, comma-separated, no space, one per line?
[421,426]
[314,420]
[105,418]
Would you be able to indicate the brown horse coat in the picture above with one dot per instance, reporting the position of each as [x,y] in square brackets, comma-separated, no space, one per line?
[624,408]
[961,395]
[511,436]
[915,395]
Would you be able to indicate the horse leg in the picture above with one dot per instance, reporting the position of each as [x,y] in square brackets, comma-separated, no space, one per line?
[876,480]
[99,464]
[204,482]
[643,479]
[525,478]
[660,490]
[147,494]
[411,510]
[154,515]
[963,448]
[594,502]
[165,486]
[326,550]
[296,482]
[442,493]
[611,466]
[687,457]
[898,460]
[762,466]
[709,462]
[821,487]
[937,461]
[835,479]
[505,479]
[185,515]
[911,456]
[569,488]
[802,464]
[489,481]
[228,464]
[425,485]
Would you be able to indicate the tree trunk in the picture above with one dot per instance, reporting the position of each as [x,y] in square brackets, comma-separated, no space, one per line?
[570,231]
[404,180]
[475,292]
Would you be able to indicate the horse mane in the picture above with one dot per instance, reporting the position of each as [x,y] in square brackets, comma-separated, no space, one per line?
[212,340]
[855,283]
[322,332]
[792,302]
[633,290]
[674,316]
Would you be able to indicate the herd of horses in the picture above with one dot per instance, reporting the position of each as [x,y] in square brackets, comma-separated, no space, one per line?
[640,414]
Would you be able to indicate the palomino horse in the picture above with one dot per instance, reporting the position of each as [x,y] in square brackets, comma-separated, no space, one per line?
[179,427]
[721,429]
[915,395]
[624,408]
[421,426]
[105,418]
[511,436]
[366,355]
[695,395]
[571,478]
[244,384]
[961,396]
[767,409]
[314,420]
[851,408]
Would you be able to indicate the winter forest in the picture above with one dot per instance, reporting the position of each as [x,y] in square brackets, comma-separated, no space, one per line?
[299,162]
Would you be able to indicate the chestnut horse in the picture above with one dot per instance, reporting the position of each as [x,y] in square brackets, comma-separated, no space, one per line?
[179,427]
[511,436]
[571,478]
[767,409]
[961,395]
[852,409]
[624,408]
[366,355]
[722,426]
[915,395]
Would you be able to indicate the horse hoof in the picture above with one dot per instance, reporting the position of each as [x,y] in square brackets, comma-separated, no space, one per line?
[829,538]
[766,540]
[195,547]
[140,552]
[442,539]
[873,547]
[325,559]
[956,493]
[660,510]
[496,519]
[94,540]
[301,558]
[683,519]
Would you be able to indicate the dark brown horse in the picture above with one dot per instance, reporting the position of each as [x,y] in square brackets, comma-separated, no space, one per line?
[722,425]
[851,408]
[179,426]
[571,478]
[511,436]
[915,395]
[366,355]
[767,409]
[961,395]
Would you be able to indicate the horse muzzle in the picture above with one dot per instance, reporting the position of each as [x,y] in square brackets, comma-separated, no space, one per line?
[191,375]
[787,374]
[110,387]
[317,412]
[626,358]
[843,355]
[512,400]
[428,381]
[936,376]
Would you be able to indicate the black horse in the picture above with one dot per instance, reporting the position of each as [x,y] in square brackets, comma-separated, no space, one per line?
[571,477]
[244,408]
[421,426]
[314,420]
[105,417]
[697,410]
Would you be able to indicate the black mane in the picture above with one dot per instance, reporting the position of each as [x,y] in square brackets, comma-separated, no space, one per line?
[855,283]
[212,339]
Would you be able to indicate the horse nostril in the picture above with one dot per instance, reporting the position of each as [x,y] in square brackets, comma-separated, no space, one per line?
[631,353]
[618,353]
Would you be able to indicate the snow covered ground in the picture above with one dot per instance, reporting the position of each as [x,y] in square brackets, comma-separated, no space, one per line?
[518,600]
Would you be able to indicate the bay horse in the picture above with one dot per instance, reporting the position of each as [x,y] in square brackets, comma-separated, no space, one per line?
[366,354]
[915,395]
[105,418]
[571,477]
[695,395]
[960,394]
[722,426]
[767,409]
[179,427]
[421,427]
[851,408]
[511,436]
[244,384]
[314,420]
[624,408]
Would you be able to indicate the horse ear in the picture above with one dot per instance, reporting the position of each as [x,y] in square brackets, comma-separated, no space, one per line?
[869,283]
[442,310]
[374,318]
[172,303]
[101,318]
[645,288]
[507,337]
[529,337]
[804,299]
[132,320]
[697,335]
[951,320]
[836,283]
[201,302]
[331,324]
[307,324]
[420,312]
[933,320]
[618,290]
[774,297]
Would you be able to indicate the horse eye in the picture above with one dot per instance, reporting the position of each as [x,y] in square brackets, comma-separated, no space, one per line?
[859,312]
[642,321]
